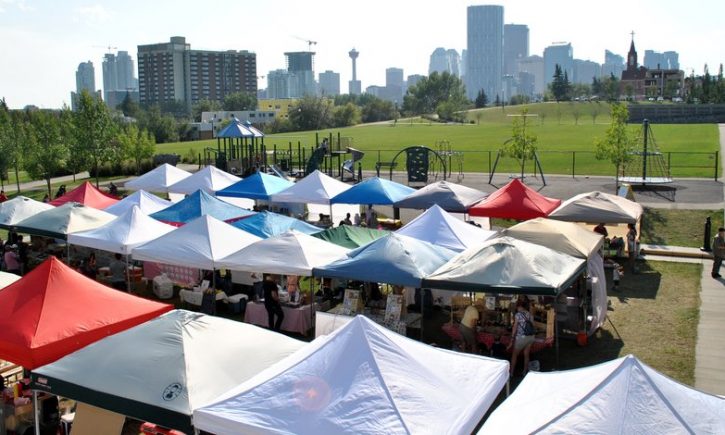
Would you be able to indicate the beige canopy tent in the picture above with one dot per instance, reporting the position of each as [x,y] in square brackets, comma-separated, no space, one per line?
[598,207]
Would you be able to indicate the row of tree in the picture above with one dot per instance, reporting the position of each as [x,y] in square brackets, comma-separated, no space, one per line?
[50,143]
[706,88]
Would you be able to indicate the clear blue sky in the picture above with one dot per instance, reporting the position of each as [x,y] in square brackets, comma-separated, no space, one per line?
[42,41]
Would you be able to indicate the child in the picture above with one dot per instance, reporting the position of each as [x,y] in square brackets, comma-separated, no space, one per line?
[617,274]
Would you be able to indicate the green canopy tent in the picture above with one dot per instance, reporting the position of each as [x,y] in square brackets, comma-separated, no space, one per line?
[349,236]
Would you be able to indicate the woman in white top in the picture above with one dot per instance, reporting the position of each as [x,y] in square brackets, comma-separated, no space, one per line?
[522,334]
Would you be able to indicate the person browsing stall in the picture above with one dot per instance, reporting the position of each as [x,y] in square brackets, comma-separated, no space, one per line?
[117,268]
[271,303]
[522,334]
[12,261]
[468,328]
[718,252]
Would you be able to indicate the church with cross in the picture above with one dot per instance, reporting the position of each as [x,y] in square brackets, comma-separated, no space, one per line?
[639,83]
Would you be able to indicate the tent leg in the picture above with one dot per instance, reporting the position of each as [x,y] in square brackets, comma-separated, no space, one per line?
[556,342]
[312,308]
[128,277]
[508,386]
[36,412]
[67,252]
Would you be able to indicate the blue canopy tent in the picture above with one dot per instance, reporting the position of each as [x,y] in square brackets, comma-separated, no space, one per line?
[198,204]
[267,224]
[256,186]
[393,259]
[376,191]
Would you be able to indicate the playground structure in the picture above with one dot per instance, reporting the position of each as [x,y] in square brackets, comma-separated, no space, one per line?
[453,159]
[647,168]
[537,169]
[421,164]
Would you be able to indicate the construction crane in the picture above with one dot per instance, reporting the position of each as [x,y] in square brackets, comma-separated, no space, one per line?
[309,42]
[109,47]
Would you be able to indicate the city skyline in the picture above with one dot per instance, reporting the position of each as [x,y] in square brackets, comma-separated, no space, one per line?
[47,40]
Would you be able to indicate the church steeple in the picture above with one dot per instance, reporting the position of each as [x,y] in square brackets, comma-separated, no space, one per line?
[632,55]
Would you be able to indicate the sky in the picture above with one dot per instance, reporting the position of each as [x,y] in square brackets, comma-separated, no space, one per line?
[43,41]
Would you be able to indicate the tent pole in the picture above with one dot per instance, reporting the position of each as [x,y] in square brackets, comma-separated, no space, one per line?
[556,340]
[508,386]
[312,310]
[36,412]
[128,277]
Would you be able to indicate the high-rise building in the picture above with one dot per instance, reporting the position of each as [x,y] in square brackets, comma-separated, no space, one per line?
[119,78]
[329,83]
[613,65]
[85,80]
[302,65]
[672,58]
[558,53]
[172,71]
[394,84]
[413,80]
[533,65]
[442,60]
[585,71]
[282,84]
[666,60]
[515,46]
[484,62]
[354,85]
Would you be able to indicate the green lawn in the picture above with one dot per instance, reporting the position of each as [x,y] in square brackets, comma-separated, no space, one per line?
[558,137]
[678,227]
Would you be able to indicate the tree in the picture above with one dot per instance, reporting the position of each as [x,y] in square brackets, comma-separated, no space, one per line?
[481,99]
[346,115]
[610,88]
[594,112]
[240,101]
[618,142]
[162,126]
[426,95]
[497,101]
[129,107]
[576,113]
[560,86]
[4,141]
[47,150]
[377,110]
[204,106]
[17,134]
[95,130]
[311,113]
[136,145]
[522,145]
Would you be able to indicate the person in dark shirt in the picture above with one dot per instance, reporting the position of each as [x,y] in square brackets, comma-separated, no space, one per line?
[271,303]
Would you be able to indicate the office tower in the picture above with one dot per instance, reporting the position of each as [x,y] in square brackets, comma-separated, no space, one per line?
[282,84]
[613,65]
[657,60]
[559,53]
[442,60]
[354,86]
[515,46]
[533,65]
[172,71]
[585,71]
[484,62]
[672,58]
[302,65]
[85,80]
[119,78]
[329,83]
[413,80]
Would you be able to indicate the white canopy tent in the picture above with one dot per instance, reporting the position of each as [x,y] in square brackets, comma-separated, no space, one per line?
[440,228]
[60,221]
[122,234]
[361,379]
[158,179]
[290,253]
[199,244]
[315,188]
[596,207]
[19,208]
[623,396]
[571,239]
[162,370]
[210,179]
[147,202]
[7,278]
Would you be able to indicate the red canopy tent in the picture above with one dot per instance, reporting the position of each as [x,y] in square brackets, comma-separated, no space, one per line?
[515,201]
[88,195]
[54,310]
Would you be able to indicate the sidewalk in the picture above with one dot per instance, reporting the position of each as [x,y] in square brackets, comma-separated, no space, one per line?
[710,347]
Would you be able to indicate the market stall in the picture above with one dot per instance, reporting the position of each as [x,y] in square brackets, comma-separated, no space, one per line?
[164,369]
[60,221]
[199,204]
[375,191]
[362,379]
[438,227]
[258,186]
[19,208]
[88,195]
[147,202]
[598,207]
[268,224]
[451,197]
[515,201]
[349,236]
[623,396]
[209,179]
[315,189]
[158,179]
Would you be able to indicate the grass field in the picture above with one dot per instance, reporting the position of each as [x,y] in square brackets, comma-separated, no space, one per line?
[678,227]
[558,136]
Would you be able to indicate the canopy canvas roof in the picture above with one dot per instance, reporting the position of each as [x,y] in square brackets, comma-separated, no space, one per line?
[7,278]
[566,237]
[19,208]
[147,202]
[158,179]
[199,204]
[598,207]
[507,265]
[393,259]
[162,370]
[374,190]
[210,179]
[122,234]
[290,253]
[267,224]
[451,197]
[257,186]
[623,396]
[88,195]
[200,244]
[361,379]
[515,201]
[438,227]
[315,188]
[349,236]
[54,310]
[60,221]
[235,129]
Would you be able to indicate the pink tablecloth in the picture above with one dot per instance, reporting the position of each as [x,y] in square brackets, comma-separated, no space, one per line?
[295,319]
